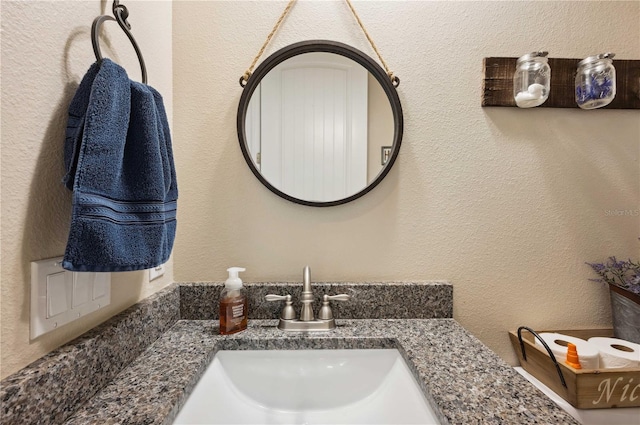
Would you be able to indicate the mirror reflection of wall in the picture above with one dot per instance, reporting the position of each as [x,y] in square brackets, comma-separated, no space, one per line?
[315,126]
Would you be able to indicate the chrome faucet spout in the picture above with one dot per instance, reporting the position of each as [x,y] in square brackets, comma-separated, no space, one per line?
[306,312]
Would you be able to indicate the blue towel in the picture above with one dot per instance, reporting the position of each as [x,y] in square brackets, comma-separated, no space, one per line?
[120,168]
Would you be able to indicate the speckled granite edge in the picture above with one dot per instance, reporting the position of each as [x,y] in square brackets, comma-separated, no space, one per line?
[50,389]
[107,376]
[369,300]
[465,382]
[42,393]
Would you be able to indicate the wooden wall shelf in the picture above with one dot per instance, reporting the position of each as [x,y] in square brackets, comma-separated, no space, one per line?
[498,83]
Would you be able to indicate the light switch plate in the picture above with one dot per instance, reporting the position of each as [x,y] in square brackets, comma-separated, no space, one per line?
[59,296]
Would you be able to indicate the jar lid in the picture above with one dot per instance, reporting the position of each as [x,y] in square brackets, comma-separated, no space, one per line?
[531,56]
[596,58]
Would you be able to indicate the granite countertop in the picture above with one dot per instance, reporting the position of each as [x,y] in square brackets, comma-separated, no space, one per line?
[464,381]
[140,366]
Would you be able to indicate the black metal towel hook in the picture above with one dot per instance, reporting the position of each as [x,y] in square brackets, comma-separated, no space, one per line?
[121,14]
[120,11]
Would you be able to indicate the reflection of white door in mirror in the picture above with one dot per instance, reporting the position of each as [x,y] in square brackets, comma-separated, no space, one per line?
[253,127]
[312,142]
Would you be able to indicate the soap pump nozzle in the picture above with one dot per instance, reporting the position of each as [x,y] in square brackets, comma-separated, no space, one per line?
[234,281]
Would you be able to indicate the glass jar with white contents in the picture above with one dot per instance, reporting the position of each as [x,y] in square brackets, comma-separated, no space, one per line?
[595,81]
[532,80]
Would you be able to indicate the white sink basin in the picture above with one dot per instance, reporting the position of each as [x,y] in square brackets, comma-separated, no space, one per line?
[307,387]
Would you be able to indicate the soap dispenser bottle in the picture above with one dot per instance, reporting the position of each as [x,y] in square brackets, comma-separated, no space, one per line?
[233,304]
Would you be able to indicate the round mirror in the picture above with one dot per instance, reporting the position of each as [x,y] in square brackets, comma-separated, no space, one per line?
[320,123]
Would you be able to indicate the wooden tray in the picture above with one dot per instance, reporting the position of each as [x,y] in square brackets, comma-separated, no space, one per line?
[585,388]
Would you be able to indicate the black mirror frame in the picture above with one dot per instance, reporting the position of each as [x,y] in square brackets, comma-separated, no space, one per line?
[328,47]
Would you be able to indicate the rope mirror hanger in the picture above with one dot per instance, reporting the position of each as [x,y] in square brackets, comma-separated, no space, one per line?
[395,81]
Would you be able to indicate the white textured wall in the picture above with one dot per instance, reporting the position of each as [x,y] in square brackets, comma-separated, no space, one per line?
[46,49]
[507,204]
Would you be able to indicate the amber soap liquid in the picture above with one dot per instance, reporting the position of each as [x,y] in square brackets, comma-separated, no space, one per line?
[233,315]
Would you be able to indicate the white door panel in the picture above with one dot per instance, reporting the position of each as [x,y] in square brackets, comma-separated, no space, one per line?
[314,127]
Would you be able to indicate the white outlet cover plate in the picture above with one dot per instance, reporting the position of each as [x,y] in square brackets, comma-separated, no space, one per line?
[59,296]
[156,272]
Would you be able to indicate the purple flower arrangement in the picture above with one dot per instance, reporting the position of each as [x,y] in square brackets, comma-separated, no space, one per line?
[624,274]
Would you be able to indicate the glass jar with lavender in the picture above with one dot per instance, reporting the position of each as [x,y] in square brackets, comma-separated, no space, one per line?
[596,81]
[532,80]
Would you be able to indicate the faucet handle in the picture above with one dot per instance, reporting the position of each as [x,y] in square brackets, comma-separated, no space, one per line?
[325,312]
[273,297]
[287,312]
[339,297]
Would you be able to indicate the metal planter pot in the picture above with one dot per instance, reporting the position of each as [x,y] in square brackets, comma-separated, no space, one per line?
[625,309]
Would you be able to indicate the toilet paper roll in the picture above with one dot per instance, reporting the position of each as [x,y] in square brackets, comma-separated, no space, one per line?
[588,354]
[617,353]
